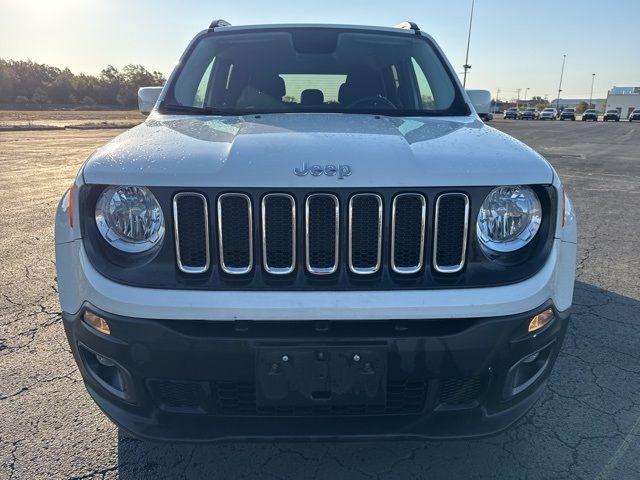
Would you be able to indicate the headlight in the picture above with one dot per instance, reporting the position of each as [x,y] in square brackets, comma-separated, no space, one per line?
[130,218]
[509,218]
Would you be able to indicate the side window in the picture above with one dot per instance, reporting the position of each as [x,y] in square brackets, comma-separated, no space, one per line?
[201,92]
[424,89]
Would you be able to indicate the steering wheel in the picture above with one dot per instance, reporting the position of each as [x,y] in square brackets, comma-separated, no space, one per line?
[372,102]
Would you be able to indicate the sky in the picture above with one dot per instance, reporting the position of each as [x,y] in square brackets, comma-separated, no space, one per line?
[515,44]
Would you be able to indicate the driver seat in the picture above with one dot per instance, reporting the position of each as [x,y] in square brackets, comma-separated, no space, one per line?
[360,85]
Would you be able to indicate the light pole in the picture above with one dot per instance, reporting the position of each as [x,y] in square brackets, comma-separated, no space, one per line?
[593,77]
[564,58]
[525,95]
[466,65]
[495,103]
[518,99]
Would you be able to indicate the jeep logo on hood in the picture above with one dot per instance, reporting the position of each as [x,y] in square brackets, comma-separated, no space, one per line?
[330,170]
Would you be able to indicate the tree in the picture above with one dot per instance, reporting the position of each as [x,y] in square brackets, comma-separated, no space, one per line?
[582,106]
[88,101]
[40,96]
[41,84]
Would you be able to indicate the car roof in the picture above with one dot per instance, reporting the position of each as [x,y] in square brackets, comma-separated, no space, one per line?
[269,26]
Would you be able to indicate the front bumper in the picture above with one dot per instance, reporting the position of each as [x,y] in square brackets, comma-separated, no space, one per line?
[183,380]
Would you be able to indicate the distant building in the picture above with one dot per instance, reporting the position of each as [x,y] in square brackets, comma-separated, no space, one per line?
[623,99]
[598,103]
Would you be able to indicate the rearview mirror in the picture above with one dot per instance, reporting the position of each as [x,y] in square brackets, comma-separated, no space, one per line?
[481,101]
[147,98]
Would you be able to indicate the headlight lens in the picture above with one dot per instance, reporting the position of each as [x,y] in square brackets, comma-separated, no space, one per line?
[509,218]
[130,218]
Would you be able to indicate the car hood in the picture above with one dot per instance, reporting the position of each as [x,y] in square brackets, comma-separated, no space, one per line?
[264,150]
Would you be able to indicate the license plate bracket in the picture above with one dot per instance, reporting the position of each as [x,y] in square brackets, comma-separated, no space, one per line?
[321,375]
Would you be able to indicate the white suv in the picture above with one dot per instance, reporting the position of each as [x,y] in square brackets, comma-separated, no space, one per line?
[549,114]
[313,234]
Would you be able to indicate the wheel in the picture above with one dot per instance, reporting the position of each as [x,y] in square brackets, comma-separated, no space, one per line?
[573,119]
[617,119]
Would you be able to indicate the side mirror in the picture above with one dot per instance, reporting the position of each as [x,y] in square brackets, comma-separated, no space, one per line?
[147,98]
[481,101]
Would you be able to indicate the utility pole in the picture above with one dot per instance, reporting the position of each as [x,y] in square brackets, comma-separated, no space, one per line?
[518,100]
[593,77]
[466,65]
[495,104]
[564,58]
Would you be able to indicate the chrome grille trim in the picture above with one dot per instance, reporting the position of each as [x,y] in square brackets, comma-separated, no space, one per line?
[418,267]
[225,268]
[176,233]
[334,267]
[463,254]
[376,267]
[278,270]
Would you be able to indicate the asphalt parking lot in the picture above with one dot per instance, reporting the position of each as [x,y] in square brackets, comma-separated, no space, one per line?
[586,426]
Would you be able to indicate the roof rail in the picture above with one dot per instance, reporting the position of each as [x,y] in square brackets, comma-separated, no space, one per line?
[219,23]
[408,26]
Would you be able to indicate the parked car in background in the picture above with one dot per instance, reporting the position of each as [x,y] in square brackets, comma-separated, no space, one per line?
[549,114]
[530,114]
[590,115]
[512,113]
[481,100]
[635,115]
[613,115]
[568,114]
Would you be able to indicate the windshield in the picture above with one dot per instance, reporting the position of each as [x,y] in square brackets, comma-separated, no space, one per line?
[569,110]
[314,70]
[612,111]
[590,111]
[548,110]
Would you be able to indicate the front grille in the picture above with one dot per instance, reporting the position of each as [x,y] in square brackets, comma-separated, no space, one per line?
[235,233]
[452,218]
[320,233]
[365,233]
[460,391]
[279,233]
[191,224]
[236,399]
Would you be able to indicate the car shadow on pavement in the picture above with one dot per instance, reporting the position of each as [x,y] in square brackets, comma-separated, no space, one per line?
[586,425]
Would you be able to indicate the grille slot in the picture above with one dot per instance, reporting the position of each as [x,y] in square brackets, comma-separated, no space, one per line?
[235,399]
[235,233]
[178,396]
[191,231]
[408,220]
[278,233]
[365,233]
[450,237]
[322,216]
[460,391]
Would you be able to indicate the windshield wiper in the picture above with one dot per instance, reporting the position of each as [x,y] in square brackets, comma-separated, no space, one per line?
[189,110]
